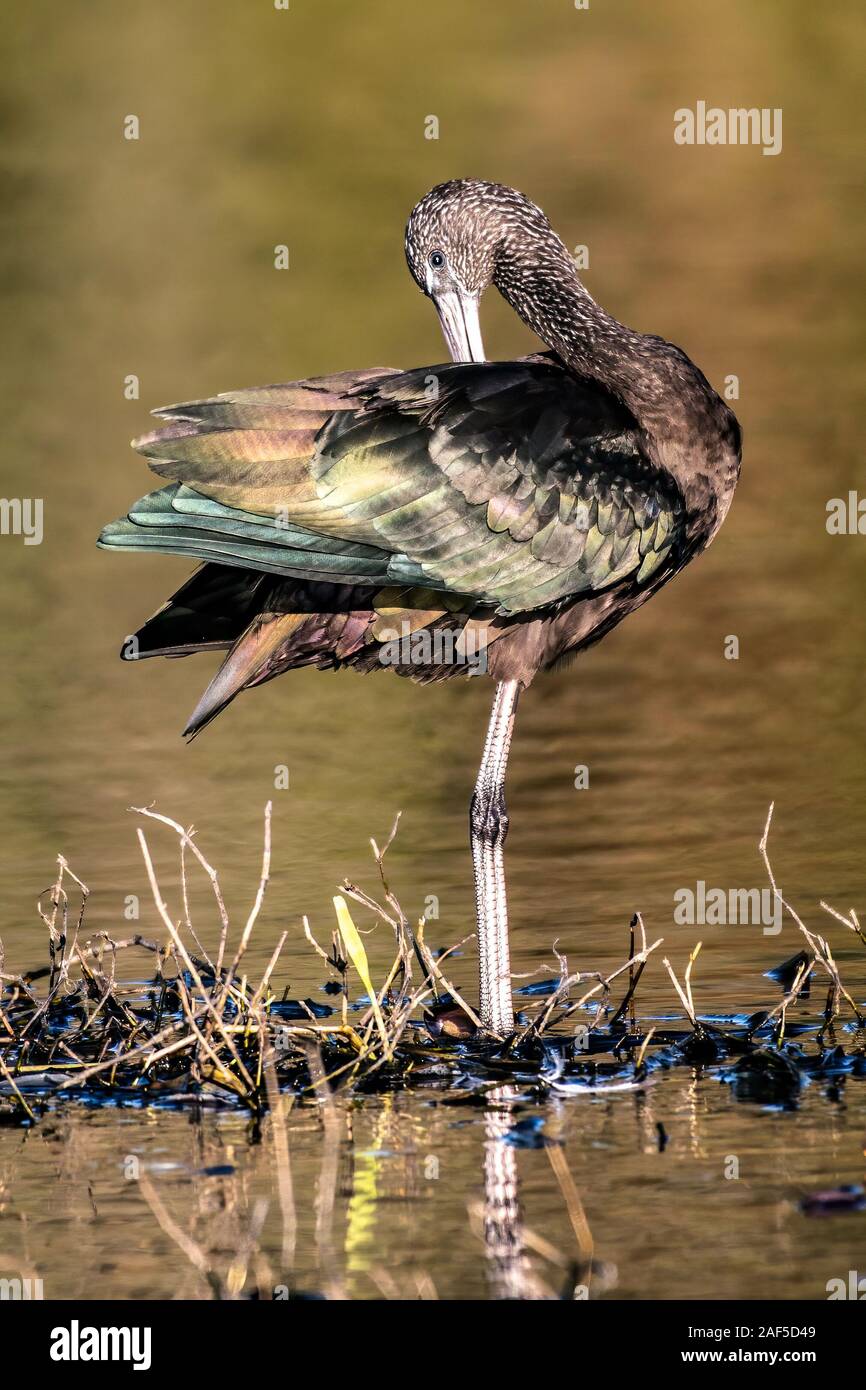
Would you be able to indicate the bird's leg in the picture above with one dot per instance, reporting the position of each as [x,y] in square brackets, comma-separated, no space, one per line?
[488,819]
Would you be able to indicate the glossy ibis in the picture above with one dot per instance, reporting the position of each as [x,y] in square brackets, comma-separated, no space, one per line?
[507,512]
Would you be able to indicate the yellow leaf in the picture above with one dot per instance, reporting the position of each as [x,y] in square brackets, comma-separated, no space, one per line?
[358,956]
[220,1077]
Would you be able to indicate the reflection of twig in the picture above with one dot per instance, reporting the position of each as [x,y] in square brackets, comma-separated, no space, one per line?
[327,1185]
[425,1289]
[278,1105]
[245,1244]
[193,1251]
[574,1206]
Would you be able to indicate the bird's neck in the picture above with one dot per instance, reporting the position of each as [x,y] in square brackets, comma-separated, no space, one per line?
[687,429]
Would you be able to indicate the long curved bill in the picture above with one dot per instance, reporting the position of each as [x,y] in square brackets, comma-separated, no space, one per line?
[458,315]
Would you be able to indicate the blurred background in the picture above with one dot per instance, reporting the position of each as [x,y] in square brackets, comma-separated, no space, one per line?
[155,258]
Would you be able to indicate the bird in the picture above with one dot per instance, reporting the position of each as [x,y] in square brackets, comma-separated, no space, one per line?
[468,518]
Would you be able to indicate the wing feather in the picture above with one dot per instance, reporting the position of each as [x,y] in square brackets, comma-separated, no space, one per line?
[514,484]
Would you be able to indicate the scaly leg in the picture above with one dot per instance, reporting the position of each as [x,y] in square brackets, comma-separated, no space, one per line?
[488,819]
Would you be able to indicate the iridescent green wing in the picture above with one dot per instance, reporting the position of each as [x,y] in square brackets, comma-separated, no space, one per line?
[521,486]
[512,483]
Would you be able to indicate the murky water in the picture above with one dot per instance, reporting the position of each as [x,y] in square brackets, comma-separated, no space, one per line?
[154,258]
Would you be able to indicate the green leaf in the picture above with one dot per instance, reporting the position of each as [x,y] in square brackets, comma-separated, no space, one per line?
[354,948]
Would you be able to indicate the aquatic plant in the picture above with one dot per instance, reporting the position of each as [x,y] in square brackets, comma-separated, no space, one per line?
[200,1032]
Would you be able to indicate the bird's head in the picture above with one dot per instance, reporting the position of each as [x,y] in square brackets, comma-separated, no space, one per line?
[461,236]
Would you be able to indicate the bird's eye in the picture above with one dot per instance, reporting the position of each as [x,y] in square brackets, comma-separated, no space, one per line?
[437,260]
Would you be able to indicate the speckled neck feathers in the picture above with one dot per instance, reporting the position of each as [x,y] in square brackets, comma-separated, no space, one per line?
[494,234]
[688,429]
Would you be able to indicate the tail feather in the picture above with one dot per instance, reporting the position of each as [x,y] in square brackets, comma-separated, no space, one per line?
[177,520]
[271,626]
[271,559]
[208,613]
[246,664]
